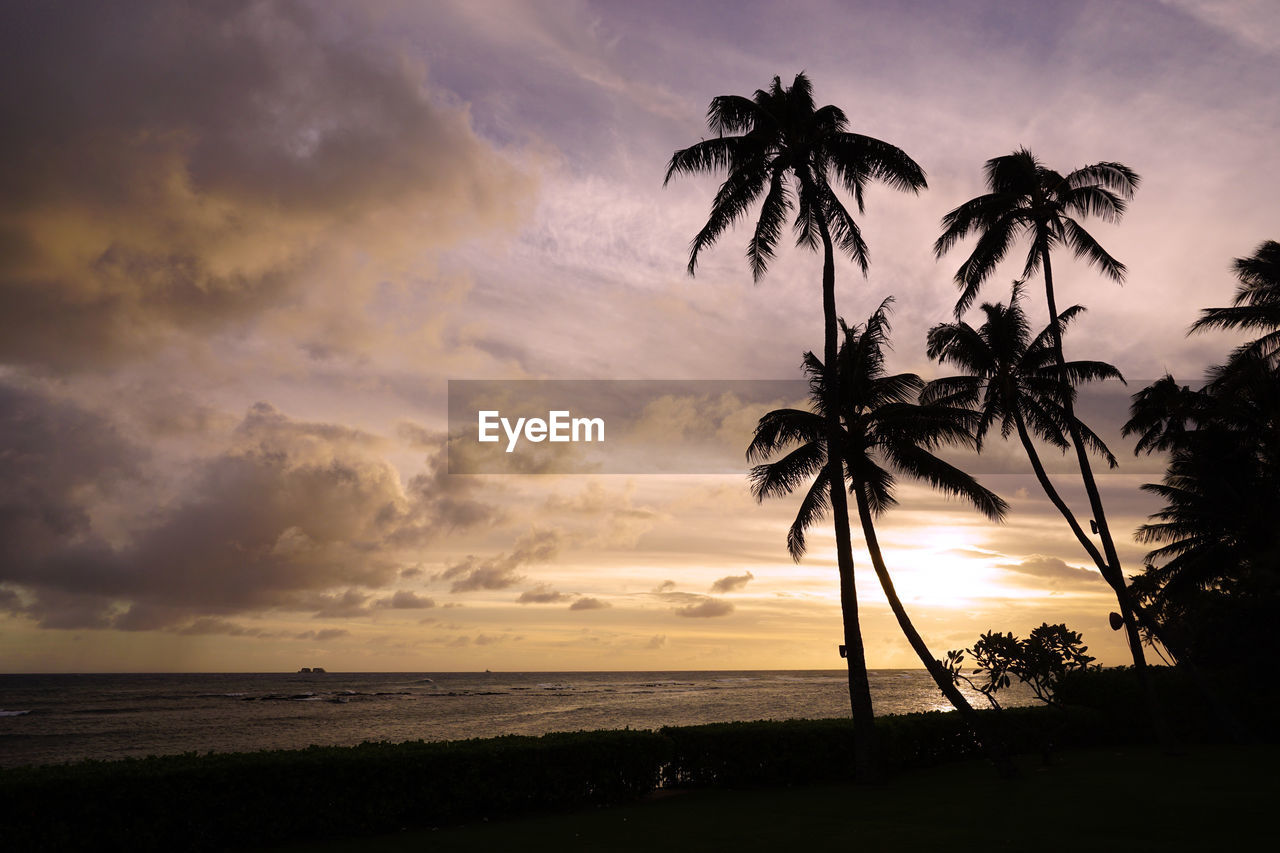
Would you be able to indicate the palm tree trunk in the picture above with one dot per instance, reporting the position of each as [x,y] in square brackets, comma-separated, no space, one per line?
[1051,491]
[865,766]
[1230,721]
[1113,573]
[994,745]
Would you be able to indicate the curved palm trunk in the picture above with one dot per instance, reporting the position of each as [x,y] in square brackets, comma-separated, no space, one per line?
[1056,499]
[859,684]
[995,747]
[1224,713]
[1112,571]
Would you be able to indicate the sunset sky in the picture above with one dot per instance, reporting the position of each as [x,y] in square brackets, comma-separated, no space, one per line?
[245,246]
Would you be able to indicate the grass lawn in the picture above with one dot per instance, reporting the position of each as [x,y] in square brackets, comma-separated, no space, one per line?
[1211,798]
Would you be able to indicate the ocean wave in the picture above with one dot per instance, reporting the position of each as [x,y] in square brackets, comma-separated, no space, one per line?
[14,713]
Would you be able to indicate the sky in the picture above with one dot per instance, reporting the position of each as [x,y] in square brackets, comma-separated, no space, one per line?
[247,245]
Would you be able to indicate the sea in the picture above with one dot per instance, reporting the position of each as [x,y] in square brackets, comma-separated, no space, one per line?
[53,719]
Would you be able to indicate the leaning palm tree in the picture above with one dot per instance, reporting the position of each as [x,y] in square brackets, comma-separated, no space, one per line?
[1026,198]
[779,149]
[1013,380]
[883,433]
[1256,305]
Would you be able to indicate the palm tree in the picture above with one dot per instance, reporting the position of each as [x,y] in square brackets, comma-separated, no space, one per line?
[1014,381]
[1026,198]
[1219,545]
[1209,591]
[778,148]
[1257,301]
[882,433]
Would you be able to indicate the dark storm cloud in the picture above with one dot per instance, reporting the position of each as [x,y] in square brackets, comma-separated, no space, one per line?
[55,457]
[294,515]
[172,168]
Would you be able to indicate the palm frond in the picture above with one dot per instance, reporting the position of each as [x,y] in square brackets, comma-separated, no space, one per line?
[856,157]
[781,477]
[709,155]
[782,428]
[813,508]
[735,197]
[1114,177]
[845,232]
[946,478]
[991,248]
[733,114]
[773,215]
[1085,246]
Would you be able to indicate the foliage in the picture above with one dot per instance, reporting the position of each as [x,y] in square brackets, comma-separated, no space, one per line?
[1213,583]
[884,431]
[245,800]
[1040,661]
[1256,305]
[1026,198]
[779,145]
[249,800]
[1011,378]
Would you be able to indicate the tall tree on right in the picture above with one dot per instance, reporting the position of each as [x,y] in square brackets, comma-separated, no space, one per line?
[1213,585]
[1027,199]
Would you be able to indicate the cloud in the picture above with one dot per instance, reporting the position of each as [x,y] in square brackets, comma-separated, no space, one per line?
[657,641]
[501,572]
[589,603]
[323,635]
[494,639]
[707,608]
[350,603]
[732,582]
[1050,572]
[292,515]
[665,586]
[206,625]
[542,594]
[142,205]
[405,599]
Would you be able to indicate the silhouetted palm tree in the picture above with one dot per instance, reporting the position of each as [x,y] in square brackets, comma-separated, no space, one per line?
[883,433]
[1028,199]
[779,149]
[1256,306]
[1217,570]
[1014,381]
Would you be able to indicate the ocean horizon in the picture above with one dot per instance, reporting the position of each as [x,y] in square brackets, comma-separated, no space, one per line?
[55,718]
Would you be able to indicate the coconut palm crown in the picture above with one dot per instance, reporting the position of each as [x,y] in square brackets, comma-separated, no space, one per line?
[1010,376]
[1026,198]
[777,148]
[885,433]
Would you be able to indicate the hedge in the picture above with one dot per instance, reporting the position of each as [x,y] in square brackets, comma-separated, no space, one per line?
[218,801]
[237,800]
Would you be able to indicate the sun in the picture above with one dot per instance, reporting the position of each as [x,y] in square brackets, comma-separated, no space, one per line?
[942,565]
